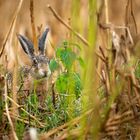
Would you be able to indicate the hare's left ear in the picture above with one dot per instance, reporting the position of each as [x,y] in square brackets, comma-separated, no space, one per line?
[26,45]
[42,39]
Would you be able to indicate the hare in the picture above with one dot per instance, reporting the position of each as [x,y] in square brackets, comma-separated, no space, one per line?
[39,69]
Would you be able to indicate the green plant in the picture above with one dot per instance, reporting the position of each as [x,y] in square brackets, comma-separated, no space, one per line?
[137,70]
[68,81]
[67,88]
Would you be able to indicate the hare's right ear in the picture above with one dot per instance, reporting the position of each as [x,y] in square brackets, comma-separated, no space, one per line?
[26,45]
[42,40]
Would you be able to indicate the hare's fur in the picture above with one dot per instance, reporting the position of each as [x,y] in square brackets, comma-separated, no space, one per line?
[35,76]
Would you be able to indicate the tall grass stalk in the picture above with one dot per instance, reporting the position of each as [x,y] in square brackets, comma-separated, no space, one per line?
[34,35]
[91,124]
[10,33]
[7,110]
[11,26]
[75,18]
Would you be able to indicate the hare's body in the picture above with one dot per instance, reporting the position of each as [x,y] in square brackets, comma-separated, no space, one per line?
[35,76]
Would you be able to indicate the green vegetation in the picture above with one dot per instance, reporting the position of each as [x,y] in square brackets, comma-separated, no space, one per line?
[93,91]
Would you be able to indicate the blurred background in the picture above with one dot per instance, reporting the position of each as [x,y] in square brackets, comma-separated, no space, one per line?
[63,7]
[44,17]
[41,13]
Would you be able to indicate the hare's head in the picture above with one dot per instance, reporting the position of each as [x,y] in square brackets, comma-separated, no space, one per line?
[40,63]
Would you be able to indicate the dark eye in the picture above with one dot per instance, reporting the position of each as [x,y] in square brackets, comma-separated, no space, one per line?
[35,61]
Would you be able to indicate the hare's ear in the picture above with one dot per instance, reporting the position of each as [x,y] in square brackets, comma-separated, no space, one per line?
[26,45]
[42,39]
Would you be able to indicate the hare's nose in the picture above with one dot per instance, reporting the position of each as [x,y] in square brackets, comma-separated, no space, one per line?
[43,73]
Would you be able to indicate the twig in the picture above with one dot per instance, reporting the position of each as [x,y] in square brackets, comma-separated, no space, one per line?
[11,26]
[17,118]
[72,122]
[42,125]
[7,110]
[68,26]
[53,96]
[101,57]
[33,24]
[22,120]
[106,11]
[102,52]
[112,27]
[132,13]
[74,133]
[129,17]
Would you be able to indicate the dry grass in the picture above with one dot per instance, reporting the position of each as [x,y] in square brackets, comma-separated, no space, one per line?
[111,80]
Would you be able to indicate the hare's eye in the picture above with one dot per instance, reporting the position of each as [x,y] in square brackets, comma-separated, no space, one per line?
[35,61]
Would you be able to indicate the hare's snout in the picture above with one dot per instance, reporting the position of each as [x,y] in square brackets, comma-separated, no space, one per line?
[43,73]
[39,73]
[43,68]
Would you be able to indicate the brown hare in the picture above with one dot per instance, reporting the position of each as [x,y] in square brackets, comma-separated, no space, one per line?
[39,70]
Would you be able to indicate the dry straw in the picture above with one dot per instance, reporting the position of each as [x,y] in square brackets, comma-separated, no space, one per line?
[33,25]
[11,26]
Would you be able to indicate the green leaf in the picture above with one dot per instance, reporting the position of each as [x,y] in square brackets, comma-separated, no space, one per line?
[81,62]
[65,43]
[62,83]
[137,71]
[75,85]
[67,56]
[69,83]
[75,45]
[53,65]
[20,128]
